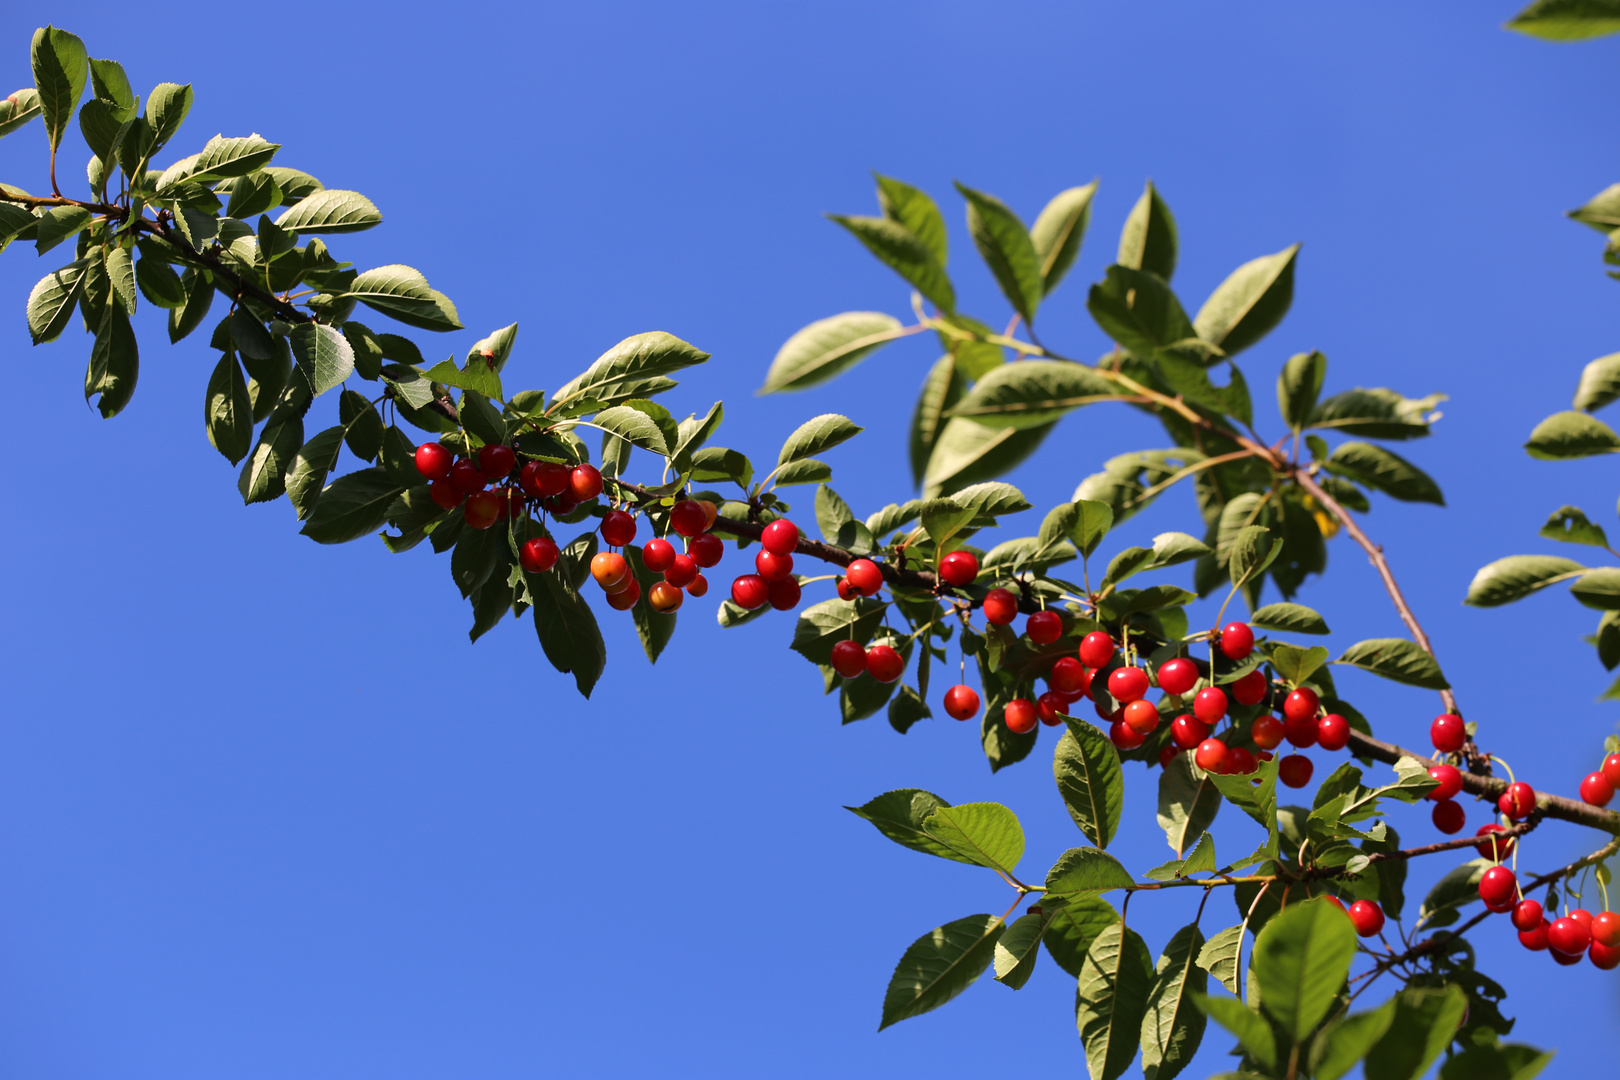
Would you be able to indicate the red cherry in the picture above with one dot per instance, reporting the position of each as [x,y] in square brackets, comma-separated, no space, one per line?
[961,702]
[884,663]
[538,555]
[1368,917]
[1447,733]
[1068,676]
[560,504]
[1188,731]
[1167,754]
[445,494]
[1526,915]
[688,518]
[1045,627]
[1332,732]
[1535,939]
[658,555]
[1237,640]
[548,478]
[1449,817]
[682,571]
[1104,713]
[1493,849]
[1123,737]
[1000,607]
[664,598]
[1596,789]
[1303,732]
[1295,770]
[1568,936]
[1582,916]
[625,598]
[784,593]
[772,567]
[1499,888]
[1051,707]
[1175,676]
[465,475]
[1606,929]
[1603,957]
[1019,715]
[433,461]
[864,576]
[483,508]
[1267,732]
[1566,961]
[1450,781]
[1239,762]
[750,591]
[1518,801]
[1096,649]
[618,528]
[1141,716]
[1251,689]
[706,549]
[846,591]
[1611,770]
[697,586]
[495,461]
[959,568]
[512,504]
[584,483]
[1209,705]
[780,537]
[1211,756]
[1301,704]
[1126,684]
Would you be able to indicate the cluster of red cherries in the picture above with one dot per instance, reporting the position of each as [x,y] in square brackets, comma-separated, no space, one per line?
[690,519]
[1568,937]
[453,481]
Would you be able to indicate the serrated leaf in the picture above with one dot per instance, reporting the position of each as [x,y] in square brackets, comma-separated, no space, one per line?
[1248,1025]
[823,625]
[114,364]
[1086,767]
[1034,392]
[1006,247]
[1459,887]
[476,376]
[1249,303]
[1396,659]
[1082,872]
[987,834]
[905,253]
[51,303]
[228,412]
[1138,310]
[1568,435]
[61,67]
[1384,471]
[1301,959]
[803,471]
[641,356]
[1148,240]
[829,347]
[1188,802]
[940,965]
[1074,927]
[352,506]
[1058,232]
[1173,1026]
[18,109]
[263,473]
[916,210]
[1111,1000]
[332,210]
[1517,576]
[633,426]
[166,109]
[816,436]
[322,354]
[1342,1044]
[568,631]
[1296,665]
[967,452]
[1254,548]
[397,291]
[306,475]
[1219,956]
[1292,618]
[1424,1024]
[1018,949]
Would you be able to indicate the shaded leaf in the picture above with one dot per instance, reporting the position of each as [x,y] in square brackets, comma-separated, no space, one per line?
[940,965]
[1396,659]
[985,833]
[904,252]
[1571,435]
[1249,303]
[828,347]
[1293,618]
[1173,1027]
[1090,780]
[1006,247]
[1148,240]
[1034,392]
[1111,1000]
[1517,576]
[1058,232]
[1379,469]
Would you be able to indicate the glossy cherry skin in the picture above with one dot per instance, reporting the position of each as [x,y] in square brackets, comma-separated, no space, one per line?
[1068,675]
[1251,689]
[658,555]
[1237,640]
[710,513]
[849,659]
[625,598]
[1499,888]
[697,586]
[1128,684]
[1447,733]
[560,504]
[1568,936]
[433,461]
[846,591]
[1368,917]
[784,593]
[495,461]
[1449,782]
[1209,705]
[618,528]
[664,597]
[1211,756]
[1301,704]
[1582,916]
[1302,732]
[1044,627]
[1611,770]
[445,494]
[772,567]
[959,568]
[1175,676]
[1497,849]
[538,554]
[1518,801]
[1332,732]
[1096,649]
[1449,817]
[706,549]
[884,663]
[750,591]
[1167,754]
[1596,789]
[682,572]
[584,483]
[483,509]
[1267,732]
[1606,929]
[1603,957]
[1535,939]
[780,537]
[1526,915]
[1123,737]
[961,702]
[1295,770]
[1239,762]
[609,569]
[687,518]
[1000,607]
[1051,707]
[1019,715]
[465,475]
[1141,716]
[1188,732]
[864,576]
[1562,959]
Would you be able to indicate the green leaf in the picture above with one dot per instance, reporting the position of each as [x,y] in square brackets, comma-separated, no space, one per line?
[634,426]
[1296,665]
[1571,435]
[1019,948]
[1396,659]
[1458,888]
[1188,802]
[1301,959]
[397,291]
[1571,525]
[1089,871]
[1600,382]
[900,815]
[17,109]
[61,66]
[1200,858]
[804,471]
[916,211]
[332,210]
[228,413]
[904,252]
[1298,387]
[968,452]
[944,518]
[1500,1061]
[987,834]
[352,506]
[1423,1025]
[306,475]
[481,418]
[1253,550]
[58,224]
[114,364]
[1376,413]
[1248,1025]
[199,297]
[829,347]
[51,303]
[1090,780]
[1074,927]
[1034,392]
[1249,303]
[1598,588]
[1345,1042]
[1381,470]
[1567,20]
[159,283]
[120,266]
[220,159]
[1112,999]
[715,463]
[1174,1025]
[1058,231]
[1138,310]
[654,628]
[940,965]
[1007,249]
[941,390]
[322,354]
[363,427]
[1292,618]
[823,625]
[1517,576]
[263,473]
[1219,956]
[816,436]
[1148,241]
[636,358]
[166,109]
[906,708]
[568,631]
[1173,548]
[250,195]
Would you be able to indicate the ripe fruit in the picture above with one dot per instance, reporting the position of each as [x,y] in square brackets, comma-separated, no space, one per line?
[1123,737]
[584,483]
[1332,732]
[483,509]
[433,461]
[1596,789]
[1566,961]
[697,586]
[1368,917]
[1267,732]
[1295,770]
[1068,675]
[1568,935]
[465,475]
[1237,640]
[1096,649]
[864,576]
[543,479]
[959,568]
[1449,817]
[750,591]
[495,461]
[618,528]
[1209,705]
[445,494]
[1127,684]
[1211,756]
[1051,707]
[848,659]
[1167,754]
[846,591]
[706,549]
[1251,689]
[1582,916]
[1606,929]
[1526,915]
[1603,957]
[1019,713]
[784,593]
[1518,801]
[710,513]
[560,504]
[658,555]
[1188,731]
[1000,607]
[1447,733]
[1175,676]
[1499,889]
[884,663]
[1239,762]
[1045,627]
[1141,716]
[1493,848]
[779,538]
[773,567]
[626,597]
[1611,770]
[687,518]
[538,555]
[1450,781]
[682,572]
[511,502]
[1301,704]
[1302,732]
[609,569]
[1535,939]
[664,597]
[961,702]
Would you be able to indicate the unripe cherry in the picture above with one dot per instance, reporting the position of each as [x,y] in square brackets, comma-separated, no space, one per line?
[697,586]
[1518,801]
[849,659]
[618,528]
[495,461]
[1123,737]
[1332,732]
[1096,649]
[959,568]
[1175,676]
[682,571]
[780,537]
[1603,957]
[1568,936]
[687,518]
[784,593]
[706,549]
[1499,888]
[1019,715]
[961,702]
[584,483]
[1526,915]
[1141,716]
[1237,640]
[750,591]
[1188,731]
[1251,689]
[538,554]
[1301,704]
[884,663]
[1368,917]
[1447,733]
[1611,770]
[465,475]
[1209,705]
[1493,848]
[626,596]
[1067,676]
[1239,762]
[609,569]
[1044,627]
[1211,756]
[658,555]
[1449,817]
[1126,684]
[1051,707]
[1535,939]
[1449,780]
[664,597]
[1295,770]
[1000,607]
[483,509]
[1267,732]
[864,576]
[1596,789]
[445,494]
[1606,929]
[772,567]
[433,461]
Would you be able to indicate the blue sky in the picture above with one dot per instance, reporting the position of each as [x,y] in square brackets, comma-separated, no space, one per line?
[265,812]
